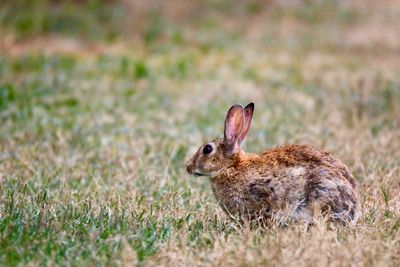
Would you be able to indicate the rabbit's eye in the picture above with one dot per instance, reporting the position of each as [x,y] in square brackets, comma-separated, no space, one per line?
[207,149]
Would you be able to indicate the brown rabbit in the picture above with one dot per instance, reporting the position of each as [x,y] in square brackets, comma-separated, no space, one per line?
[287,182]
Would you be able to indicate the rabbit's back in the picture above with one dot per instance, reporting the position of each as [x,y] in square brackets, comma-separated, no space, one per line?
[306,158]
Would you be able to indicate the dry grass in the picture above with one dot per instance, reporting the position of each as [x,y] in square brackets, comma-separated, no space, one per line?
[94,135]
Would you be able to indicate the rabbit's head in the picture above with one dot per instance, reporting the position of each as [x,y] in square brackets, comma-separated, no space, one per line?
[219,154]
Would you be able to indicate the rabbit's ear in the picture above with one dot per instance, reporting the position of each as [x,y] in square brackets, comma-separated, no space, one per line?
[248,116]
[233,128]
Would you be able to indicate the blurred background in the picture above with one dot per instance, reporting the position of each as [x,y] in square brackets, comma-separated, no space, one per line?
[210,24]
[175,62]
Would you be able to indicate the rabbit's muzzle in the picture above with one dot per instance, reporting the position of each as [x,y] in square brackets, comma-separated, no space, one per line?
[190,166]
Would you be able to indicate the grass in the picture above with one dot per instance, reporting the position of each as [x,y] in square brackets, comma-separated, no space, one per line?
[94,131]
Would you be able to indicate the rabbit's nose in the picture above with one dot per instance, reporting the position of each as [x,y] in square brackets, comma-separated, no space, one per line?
[189,166]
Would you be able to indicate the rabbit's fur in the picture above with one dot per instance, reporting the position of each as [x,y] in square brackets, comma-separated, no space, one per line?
[287,182]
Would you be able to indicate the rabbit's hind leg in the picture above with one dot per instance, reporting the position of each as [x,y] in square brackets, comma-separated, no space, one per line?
[302,213]
[329,194]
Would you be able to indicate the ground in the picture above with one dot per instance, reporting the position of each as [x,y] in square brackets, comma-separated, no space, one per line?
[101,102]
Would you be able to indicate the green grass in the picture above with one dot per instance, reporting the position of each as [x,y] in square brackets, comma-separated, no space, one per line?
[29,18]
[93,141]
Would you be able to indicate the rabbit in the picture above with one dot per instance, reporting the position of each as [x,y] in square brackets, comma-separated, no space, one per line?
[287,183]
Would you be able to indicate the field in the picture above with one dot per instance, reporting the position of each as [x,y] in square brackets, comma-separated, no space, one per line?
[102,102]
